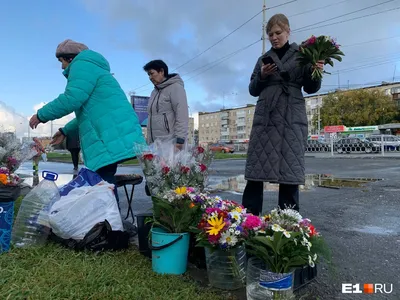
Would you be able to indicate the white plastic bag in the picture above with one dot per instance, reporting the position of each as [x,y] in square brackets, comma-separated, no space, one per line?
[75,214]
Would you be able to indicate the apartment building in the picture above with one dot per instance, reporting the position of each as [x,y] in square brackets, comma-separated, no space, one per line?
[191,131]
[314,103]
[227,125]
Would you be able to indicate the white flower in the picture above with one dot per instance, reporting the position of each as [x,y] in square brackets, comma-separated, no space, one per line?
[315,257]
[237,232]
[235,215]
[311,262]
[277,228]
[231,230]
[292,214]
[286,233]
[227,238]
[295,241]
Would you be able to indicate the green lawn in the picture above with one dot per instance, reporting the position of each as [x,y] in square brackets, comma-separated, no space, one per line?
[53,272]
[59,157]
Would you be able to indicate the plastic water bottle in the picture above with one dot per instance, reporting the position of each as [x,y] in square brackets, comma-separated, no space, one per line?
[31,226]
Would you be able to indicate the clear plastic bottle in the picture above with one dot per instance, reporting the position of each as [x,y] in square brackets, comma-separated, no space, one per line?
[31,225]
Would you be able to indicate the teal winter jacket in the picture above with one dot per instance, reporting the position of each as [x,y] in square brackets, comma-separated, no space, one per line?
[108,126]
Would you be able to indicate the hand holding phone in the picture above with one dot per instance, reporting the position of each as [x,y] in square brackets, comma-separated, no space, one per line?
[268,67]
[267,60]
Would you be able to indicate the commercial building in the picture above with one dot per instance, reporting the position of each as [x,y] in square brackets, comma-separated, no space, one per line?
[227,125]
[314,103]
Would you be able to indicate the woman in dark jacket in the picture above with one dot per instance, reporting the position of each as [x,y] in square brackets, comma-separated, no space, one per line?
[74,147]
[279,133]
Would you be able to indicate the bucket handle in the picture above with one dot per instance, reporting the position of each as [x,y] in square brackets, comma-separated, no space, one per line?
[156,248]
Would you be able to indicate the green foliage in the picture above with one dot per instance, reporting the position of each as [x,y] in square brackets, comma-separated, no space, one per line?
[279,253]
[176,216]
[357,108]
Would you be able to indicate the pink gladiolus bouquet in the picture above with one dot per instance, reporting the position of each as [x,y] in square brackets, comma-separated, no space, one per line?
[316,49]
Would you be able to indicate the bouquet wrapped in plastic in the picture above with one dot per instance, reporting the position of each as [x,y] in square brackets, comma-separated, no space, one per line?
[167,168]
[321,48]
[12,155]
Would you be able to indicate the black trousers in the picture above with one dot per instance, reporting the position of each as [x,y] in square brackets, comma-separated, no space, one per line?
[253,196]
[75,157]
[107,173]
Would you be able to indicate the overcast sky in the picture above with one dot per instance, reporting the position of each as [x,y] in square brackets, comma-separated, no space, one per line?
[130,33]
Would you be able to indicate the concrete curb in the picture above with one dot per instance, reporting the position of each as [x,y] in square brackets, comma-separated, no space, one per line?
[353,157]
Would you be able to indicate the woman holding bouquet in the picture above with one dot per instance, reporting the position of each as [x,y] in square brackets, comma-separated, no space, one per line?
[279,133]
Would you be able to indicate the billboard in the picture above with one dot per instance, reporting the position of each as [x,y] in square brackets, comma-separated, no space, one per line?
[139,104]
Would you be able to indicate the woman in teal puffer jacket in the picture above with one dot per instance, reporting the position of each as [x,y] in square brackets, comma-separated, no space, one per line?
[108,125]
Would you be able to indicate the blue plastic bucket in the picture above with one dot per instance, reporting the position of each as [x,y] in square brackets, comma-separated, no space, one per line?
[6,220]
[169,251]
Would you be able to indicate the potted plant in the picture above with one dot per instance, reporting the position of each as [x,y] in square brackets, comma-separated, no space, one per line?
[174,214]
[167,169]
[286,241]
[222,230]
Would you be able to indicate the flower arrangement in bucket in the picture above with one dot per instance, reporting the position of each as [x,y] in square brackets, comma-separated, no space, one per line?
[174,213]
[222,230]
[177,210]
[285,242]
[321,48]
[12,154]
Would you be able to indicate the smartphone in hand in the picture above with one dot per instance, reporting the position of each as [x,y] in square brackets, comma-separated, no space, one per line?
[267,60]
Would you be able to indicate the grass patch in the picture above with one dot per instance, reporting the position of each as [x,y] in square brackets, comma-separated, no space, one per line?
[53,272]
[220,155]
[66,157]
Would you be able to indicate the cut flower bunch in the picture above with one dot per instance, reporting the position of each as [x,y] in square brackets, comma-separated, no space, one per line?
[321,48]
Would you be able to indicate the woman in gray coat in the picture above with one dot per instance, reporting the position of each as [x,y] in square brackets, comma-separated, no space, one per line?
[279,133]
[168,108]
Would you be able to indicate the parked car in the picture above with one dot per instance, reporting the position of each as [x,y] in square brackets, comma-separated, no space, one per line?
[348,145]
[223,148]
[317,146]
[390,142]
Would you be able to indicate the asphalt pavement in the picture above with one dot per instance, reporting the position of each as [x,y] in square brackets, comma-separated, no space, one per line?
[354,203]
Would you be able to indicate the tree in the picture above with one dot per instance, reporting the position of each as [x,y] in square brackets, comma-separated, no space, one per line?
[357,108]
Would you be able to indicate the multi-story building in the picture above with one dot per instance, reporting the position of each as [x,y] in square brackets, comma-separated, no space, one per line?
[314,103]
[191,131]
[227,125]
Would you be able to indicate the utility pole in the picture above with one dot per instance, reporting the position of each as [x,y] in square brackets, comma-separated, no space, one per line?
[264,28]
[319,121]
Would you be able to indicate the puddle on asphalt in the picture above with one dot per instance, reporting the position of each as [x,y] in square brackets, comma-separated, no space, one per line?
[375,230]
[238,183]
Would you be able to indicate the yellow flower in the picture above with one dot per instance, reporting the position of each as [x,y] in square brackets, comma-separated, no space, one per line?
[180,190]
[216,225]
[238,209]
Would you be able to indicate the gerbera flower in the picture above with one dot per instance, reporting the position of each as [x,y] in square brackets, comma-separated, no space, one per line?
[216,225]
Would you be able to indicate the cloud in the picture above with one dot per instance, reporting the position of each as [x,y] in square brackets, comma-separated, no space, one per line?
[49,128]
[12,121]
[178,30]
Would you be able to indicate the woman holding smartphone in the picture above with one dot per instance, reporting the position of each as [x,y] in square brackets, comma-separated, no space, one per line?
[279,132]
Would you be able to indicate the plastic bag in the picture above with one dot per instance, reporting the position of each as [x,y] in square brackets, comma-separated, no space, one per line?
[74,215]
[85,177]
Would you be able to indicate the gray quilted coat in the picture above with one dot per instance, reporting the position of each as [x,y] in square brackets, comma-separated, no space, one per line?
[279,133]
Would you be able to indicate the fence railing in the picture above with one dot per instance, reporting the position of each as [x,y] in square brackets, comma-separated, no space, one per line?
[365,147]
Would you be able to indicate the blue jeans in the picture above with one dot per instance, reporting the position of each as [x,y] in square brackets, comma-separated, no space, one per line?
[107,173]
